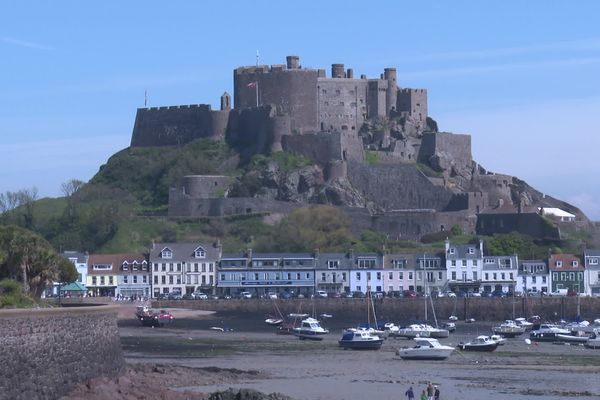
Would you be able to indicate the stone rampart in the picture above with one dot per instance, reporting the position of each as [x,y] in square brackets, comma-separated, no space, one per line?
[46,352]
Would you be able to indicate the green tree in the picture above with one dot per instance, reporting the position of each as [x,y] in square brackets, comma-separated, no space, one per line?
[31,260]
[511,243]
[325,228]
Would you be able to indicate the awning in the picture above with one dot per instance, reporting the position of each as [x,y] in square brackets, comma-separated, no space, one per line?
[73,287]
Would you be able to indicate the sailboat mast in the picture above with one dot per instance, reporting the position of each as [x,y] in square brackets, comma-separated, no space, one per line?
[425,284]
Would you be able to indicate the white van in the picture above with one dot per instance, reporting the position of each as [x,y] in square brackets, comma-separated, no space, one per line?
[559,292]
[321,293]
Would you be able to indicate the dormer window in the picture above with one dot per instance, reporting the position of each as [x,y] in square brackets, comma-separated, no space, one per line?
[593,261]
[135,266]
[333,264]
[558,263]
[574,263]
[471,250]
[144,265]
[125,266]
[166,253]
[199,253]
[452,250]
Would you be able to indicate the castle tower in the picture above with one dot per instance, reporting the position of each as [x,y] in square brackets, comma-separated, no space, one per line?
[293,62]
[225,102]
[337,70]
[391,94]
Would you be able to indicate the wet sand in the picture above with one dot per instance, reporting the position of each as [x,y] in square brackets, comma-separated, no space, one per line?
[321,370]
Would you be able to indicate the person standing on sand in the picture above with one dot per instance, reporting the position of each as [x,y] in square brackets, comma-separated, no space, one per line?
[423,395]
[430,391]
[436,393]
[410,394]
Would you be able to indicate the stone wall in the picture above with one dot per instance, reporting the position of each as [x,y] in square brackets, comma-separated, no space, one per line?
[531,224]
[394,187]
[167,126]
[342,104]
[448,149]
[46,352]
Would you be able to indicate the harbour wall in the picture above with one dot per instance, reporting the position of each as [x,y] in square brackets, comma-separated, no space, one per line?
[46,352]
[404,310]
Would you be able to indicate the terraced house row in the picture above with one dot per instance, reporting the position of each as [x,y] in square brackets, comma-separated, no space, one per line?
[191,267]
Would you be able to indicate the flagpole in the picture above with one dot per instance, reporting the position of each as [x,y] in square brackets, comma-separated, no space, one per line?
[256,87]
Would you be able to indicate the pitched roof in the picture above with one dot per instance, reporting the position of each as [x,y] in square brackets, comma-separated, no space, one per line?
[116,260]
[184,251]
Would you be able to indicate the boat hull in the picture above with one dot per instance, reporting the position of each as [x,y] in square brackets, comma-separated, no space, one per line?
[488,347]
[571,338]
[310,335]
[543,336]
[418,354]
[592,344]
[508,333]
[361,344]
[439,334]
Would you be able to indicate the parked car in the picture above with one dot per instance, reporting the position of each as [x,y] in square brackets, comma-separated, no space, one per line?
[450,294]
[188,296]
[461,293]
[245,295]
[498,293]
[334,295]
[359,295]
[285,295]
[321,293]
[346,295]
[175,296]
[200,295]
[409,293]
[486,294]
[474,294]
[272,295]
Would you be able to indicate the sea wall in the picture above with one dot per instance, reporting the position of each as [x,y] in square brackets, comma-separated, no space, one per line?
[403,310]
[46,352]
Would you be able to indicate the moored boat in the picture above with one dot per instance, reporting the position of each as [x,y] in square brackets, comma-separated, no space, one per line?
[509,329]
[360,339]
[547,333]
[274,321]
[524,323]
[150,318]
[425,349]
[480,343]
[498,339]
[310,329]
[593,342]
[571,338]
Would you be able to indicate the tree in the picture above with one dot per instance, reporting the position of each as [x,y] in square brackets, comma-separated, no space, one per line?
[325,228]
[30,259]
[511,243]
[71,187]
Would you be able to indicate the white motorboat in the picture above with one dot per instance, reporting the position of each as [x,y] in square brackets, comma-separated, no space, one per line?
[480,343]
[498,339]
[274,321]
[509,328]
[453,318]
[310,329]
[360,339]
[524,323]
[547,333]
[421,330]
[391,328]
[593,342]
[425,349]
[571,338]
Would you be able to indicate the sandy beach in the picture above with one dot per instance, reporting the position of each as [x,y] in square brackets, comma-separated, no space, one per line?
[269,362]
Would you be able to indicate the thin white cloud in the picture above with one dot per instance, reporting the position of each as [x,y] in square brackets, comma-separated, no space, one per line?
[468,70]
[588,203]
[590,44]
[23,43]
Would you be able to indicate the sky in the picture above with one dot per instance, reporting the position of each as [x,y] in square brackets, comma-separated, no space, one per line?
[520,77]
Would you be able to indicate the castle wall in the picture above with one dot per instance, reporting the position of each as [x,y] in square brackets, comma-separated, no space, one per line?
[292,91]
[449,150]
[413,102]
[342,104]
[322,147]
[46,352]
[377,90]
[402,186]
[181,205]
[531,224]
[167,126]
[251,130]
[205,186]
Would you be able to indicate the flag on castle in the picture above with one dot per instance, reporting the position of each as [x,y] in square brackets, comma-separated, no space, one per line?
[252,85]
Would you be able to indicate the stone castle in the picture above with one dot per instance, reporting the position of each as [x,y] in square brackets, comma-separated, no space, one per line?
[375,152]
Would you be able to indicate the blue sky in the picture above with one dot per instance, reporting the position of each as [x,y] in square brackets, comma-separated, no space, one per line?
[520,77]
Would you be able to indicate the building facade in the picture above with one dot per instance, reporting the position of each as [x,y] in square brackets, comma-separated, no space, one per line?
[102,275]
[261,273]
[133,278]
[499,273]
[464,266]
[399,273]
[566,272]
[430,274]
[592,272]
[533,277]
[366,273]
[184,267]
[332,272]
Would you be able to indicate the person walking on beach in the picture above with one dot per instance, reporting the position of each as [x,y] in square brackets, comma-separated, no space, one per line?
[430,391]
[410,394]
[423,395]
[436,393]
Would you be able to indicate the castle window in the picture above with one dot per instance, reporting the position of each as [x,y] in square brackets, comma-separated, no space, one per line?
[338,92]
[324,91]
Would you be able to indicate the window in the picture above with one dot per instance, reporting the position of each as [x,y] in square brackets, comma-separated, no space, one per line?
[170,267]
[453,275]
[94,282]
[110,280]
[410,275]
[203,280]
[343,276]
[203,267]
[145,278]
[555,276]
[178,280]
[195,267]
[558,263]
[178,267]
[574,263]
[155,267]
[156,279]
[170,279]
[399,264]
[366,263]
[511,276]
[572,276]
[166,253]
[298,276]
[358,289]
[255,276]
[333,264]
[593,261]
[210,280]
[495,276]
[189,266]
[163,267]
[135,266]
[210,267]
[368,276]
[503,275]
[102,280]
[563,276]
[464,263]
[222,277]
[124,278]
[452,250]
[307,275]
[474,263]
[199,253]
[125,266]
[400,275]
[474,275]
[419,276]
[440,274]
[543,279]
[358,276]
[471,250]
[454,263]
[323,277]
[464,276]
[195,279]
[391,275]
[163,280]
[101,267]
[135,279]
[487,276]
